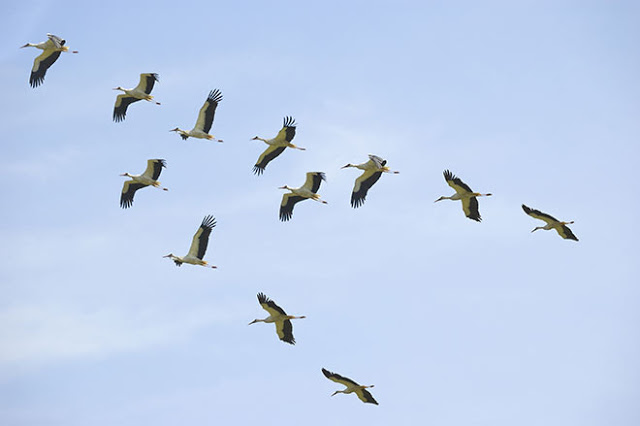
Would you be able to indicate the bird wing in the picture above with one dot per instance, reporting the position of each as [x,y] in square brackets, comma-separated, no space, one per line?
[40,66]
[120,108]
[147,80]
[270,306]
[265,158]
[208,111]
[58,42]
[566,233]
[539,215]
[338,378]
[379,162]
[312,183]
[455,182]
[365,396]
[470,207]
[128,190]
[288,131]
[201,238]
[154,167]
[285,331]
[362,185]
[286,206]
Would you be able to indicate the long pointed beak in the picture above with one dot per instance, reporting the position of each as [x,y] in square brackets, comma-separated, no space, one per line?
[26,45]
[253,322]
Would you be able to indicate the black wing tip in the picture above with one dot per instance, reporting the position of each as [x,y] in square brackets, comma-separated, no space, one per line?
[36,81]
[476,218]
[291,341]
[289,122]
[208,222]
[327,373]
[215,95]
[526,209]
[262,298]
[448,175]
[257,170]
[161,161]
[155,76]
[125,204]
[357,201]
[286,216]
[118,116]
[322,175]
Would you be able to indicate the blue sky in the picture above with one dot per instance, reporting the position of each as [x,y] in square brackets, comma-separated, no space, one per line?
[455,322]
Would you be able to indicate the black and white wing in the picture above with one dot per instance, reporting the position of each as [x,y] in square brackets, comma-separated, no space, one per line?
[470,207]
[147,80]
[456,183]
[128,191]
[122,103]
[539,215]
[201,238]
[288,131]
[362,185]
[312,183]
[269,305]
[265,158]
[154,167]
[286,206]
[40,66]
[208,111]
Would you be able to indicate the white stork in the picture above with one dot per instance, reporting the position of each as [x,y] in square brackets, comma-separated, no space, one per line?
[138,93]
[148,178]
[51,52]
[276,145]
[198,245]
[205,119]
[360,390]
[373,169]
[306,191]
[465,194]
[279,316]
[552,223]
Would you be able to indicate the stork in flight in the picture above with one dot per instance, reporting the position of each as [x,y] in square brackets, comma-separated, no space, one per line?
[279,316]
[373,169]
[148,178]
[465,194]
[276,145]
[138,93]
[306,191]
[205,119]
[198,245]
[552,223]
[51,52]
[360,390]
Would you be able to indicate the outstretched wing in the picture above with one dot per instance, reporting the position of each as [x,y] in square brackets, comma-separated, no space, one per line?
[269,305]
[128,191]
[470,207]
[566,233]
[208,111]
[362,185]
[265,158]
[122,103]
[288,131]
[154,167]
[40,66]
[147,80]
[201,238]
[286,206]
[456,183]
[338,378]
[365,396]
[539,215]
[312,183]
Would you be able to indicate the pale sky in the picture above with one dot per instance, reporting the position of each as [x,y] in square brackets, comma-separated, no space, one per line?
[455,322]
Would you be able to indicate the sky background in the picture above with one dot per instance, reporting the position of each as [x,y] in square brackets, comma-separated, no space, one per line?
[455,322]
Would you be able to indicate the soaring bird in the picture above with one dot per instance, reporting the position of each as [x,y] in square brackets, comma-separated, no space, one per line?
[306,191]
[279,316]
[51,52]
[373,169]
[205,119]
[148,178]
[276,145]
[138,93]
[465,194]
[198,245]
[552,223]
[360,390]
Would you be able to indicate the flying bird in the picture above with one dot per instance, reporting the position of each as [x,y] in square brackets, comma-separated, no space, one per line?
[148,178]
[373,169]
[552,223]
[205,119]
[306,191]
[198,245]
[279,316]
[465,194]
[51,52]
[360,390]
[138,93]
[276,145]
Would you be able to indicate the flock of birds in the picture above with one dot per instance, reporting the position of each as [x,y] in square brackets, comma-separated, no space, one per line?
[372,171]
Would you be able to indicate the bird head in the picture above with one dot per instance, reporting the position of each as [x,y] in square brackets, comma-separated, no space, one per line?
[284,187]
[177,129]
[118,88]
[170,256]
[26,45]
[348,165]
[126,174]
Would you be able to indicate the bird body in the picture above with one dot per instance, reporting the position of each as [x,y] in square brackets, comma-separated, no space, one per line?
[552,223]
[373,169]
[140,92]
[464,194]
[360,390]
[148,178]
[278,316]
[205,119]
[308,191]
[276,145]
[51,52]
[198,245]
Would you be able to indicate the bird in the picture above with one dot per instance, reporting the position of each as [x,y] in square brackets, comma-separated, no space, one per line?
[306,191]
[552,223]
[464,193]
[373,169]
[148,178]
[205,119]
[140,92]
[51,52]
[276,145]
[279,316]
[360,390]
[198,245]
